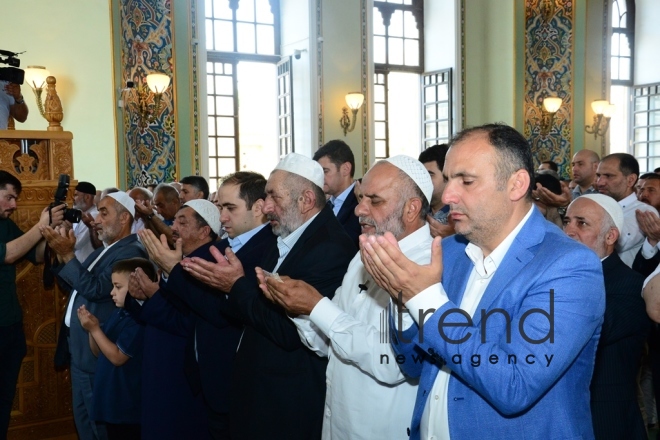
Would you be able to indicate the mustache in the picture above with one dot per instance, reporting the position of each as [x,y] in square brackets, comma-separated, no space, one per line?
[270,217]
[367,221]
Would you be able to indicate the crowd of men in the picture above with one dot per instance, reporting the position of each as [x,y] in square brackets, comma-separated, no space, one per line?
[435,298]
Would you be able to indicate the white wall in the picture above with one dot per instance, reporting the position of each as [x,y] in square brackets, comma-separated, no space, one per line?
[647,38]
[296,29]
[440,46]
[72,39]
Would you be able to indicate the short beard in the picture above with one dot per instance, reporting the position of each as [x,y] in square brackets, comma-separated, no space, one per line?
[392,223]
[289,222]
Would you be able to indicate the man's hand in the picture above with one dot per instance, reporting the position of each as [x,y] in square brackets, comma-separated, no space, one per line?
[649,224]
[159,251]
[438,229]
[551,199]
[52,218]
[295,296]
[393,271]
[221,275]
[14,90]
[143,208]
[140,285]
[88,321]
[61,241]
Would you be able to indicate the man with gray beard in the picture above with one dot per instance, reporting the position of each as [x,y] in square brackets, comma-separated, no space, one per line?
[367,395]
[277,386]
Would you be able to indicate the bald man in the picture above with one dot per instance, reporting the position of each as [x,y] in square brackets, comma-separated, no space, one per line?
[584,164]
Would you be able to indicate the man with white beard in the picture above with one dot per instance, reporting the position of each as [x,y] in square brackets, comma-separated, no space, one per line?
[367,394]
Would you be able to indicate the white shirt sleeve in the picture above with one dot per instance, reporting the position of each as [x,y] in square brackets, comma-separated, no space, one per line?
[356,342]
[431,298]
[649,251]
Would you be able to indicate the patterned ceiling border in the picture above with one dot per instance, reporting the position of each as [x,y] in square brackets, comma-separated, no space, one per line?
[194,89]
[463,79]
[319,69]
[364,84]
[605,69]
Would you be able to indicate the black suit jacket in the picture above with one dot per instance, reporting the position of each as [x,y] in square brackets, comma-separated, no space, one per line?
[614,409]
[278,386]
[347,218]
[216,336]
[644,266]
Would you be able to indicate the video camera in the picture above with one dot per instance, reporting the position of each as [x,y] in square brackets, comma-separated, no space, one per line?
[11,74]
[70,214]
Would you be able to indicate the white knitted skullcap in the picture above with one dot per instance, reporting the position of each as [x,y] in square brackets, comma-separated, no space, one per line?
[125,200]
[303,166]
[416,171]
[610,206]
[208,211]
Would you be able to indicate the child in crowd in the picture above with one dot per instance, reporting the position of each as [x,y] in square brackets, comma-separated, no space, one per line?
[117,397]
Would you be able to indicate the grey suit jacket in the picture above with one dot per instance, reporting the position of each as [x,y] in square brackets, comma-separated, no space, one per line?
[93,290]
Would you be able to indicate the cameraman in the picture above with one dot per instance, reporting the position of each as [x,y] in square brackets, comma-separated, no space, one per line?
[14,246]
[11,104]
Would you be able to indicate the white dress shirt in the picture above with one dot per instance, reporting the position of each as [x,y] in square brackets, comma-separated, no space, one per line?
[435,420]
[284,245]
[367,395]
[631,238]
[83,248]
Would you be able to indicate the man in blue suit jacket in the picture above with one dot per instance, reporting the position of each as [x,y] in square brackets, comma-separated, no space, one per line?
[504,345]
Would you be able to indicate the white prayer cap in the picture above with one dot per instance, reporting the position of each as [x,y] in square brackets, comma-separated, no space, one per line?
[416,171]
[208,211]
[303,166]
[125,200]
[610,206]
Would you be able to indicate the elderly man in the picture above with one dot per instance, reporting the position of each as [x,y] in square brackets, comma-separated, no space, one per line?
[241,197]
[362,371]
[90,284]
[594,220]
[616,177]
[174,341]
[278,384]
[83,199]
[338,164]
[14,246]
[193,187]
[525,372]
[166,203]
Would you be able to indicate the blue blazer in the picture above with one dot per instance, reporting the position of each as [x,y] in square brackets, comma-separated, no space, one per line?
[529,385]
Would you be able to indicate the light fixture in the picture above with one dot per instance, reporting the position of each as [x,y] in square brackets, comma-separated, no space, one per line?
[603,110]
[139,98]
[550,106]
[354,101]
[35,77]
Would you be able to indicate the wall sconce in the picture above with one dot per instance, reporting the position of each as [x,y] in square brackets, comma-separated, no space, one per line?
[139,97]
[354,101]
[603,110]
[550,107]
[35,77]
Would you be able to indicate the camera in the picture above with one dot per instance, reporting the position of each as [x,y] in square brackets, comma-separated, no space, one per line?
[71,215]
[11,74]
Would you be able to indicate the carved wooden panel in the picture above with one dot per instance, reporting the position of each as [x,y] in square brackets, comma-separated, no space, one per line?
[42,408]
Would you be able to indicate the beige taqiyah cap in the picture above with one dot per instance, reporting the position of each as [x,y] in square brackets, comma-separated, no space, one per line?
[416,171]
[303,166]
[125,200]
[208,211]
[610,206]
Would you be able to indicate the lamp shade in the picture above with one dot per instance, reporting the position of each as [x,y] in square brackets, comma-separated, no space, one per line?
[599,106]
[158,82]
[608,111]
[354,100]
[35,76]
[551,105]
